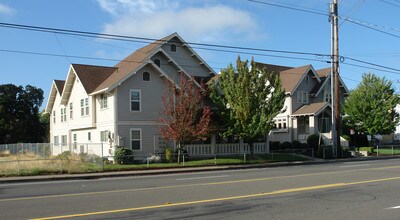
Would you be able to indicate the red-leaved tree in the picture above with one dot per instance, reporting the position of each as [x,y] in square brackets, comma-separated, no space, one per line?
[185,117]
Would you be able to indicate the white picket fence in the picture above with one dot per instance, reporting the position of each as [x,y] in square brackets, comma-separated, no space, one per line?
[225,149]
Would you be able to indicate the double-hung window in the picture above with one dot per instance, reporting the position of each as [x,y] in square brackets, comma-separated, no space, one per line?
[103,101]
[63,114]
[104,136]
[135,100]
[84,107]
[136,139]
[302,97]
[71,111]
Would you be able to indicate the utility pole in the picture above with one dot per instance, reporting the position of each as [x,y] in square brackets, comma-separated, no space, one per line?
[335,77]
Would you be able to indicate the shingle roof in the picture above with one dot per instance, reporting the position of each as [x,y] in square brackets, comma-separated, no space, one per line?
[92,76]
[291,77]
[323,72]
[272,68]
[59,85]
[131,63]
[311,109]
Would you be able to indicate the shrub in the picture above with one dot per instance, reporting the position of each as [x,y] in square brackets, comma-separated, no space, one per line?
[123,156]
[275,145]
[168,154]
[286,145]
[346,137]
[369,149]
[313,141]
[297,144]
[64,155]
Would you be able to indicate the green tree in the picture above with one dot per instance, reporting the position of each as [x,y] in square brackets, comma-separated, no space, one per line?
[370,107]
[248,99]
[19,114]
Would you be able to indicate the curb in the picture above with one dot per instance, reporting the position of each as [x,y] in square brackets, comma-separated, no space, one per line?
[87,176]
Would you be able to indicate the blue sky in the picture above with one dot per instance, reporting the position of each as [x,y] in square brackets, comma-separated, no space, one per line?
[227,22]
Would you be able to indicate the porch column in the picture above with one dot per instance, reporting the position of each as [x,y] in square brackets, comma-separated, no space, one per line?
[295,128]
[311,122]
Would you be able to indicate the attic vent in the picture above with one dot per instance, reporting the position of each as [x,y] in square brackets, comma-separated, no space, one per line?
[77,80]
[173,47]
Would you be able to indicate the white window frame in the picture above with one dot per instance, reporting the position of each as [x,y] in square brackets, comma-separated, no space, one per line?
[63,140]
[54,117]
[104,136]
[56,140]
[140,140]
[71,111]
[140,100]
[103,101]
[84,107]
[63,114]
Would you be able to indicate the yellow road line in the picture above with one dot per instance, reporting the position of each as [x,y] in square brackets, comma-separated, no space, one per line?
[190,185]
[290,190]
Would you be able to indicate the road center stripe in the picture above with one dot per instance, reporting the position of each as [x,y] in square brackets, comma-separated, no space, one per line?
[202,177]
[283,191]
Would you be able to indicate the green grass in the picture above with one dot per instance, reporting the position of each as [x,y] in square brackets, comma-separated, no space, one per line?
[31,166]
[229,160]
[388,151]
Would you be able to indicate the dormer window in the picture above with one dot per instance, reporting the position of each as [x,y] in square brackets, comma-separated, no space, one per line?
[173,47]
[157,62]
[146,76]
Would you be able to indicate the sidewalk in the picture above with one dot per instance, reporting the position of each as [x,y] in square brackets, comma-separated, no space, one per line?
[41,178]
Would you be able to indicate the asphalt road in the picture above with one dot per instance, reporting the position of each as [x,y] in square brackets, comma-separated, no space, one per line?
[349,190]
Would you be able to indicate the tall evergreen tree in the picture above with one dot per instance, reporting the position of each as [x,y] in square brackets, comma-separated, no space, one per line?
[370,107]
[248,99]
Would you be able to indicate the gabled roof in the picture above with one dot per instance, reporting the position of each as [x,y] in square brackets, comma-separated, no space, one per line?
[56,87]
[272,68]
[59,85]
[140,58]
[311,109]
[291,78]
[92,76]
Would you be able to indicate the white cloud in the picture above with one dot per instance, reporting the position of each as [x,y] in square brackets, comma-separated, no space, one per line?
[158,18]
[4,9]
[118,7]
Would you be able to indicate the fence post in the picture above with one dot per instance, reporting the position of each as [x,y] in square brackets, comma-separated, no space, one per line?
[312,153]
[377,150]
[148,163]
[62,168]
[183,159]
[102,156]
[19,168]
[215,159]
[392,151]
[292,154]
[244,157]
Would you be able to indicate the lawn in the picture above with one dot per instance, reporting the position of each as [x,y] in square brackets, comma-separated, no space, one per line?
[24,165]
[388,151]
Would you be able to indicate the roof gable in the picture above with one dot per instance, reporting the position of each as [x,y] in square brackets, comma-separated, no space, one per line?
[292,78]
[311,109]
[56,88]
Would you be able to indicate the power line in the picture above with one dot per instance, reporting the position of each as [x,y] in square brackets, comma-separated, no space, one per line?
[290,7]
[140,39]
[203,46]
[389,3]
